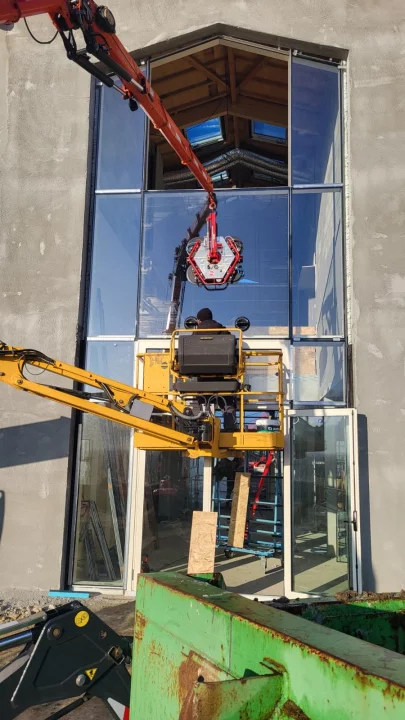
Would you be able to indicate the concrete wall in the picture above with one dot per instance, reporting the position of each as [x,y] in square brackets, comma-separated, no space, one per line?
[44,113]
[374,35]
[44,165]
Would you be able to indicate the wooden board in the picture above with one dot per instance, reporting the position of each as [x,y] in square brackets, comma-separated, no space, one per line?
[201,557]
[239,508]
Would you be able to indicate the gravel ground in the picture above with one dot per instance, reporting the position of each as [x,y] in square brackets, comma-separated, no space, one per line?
[21,604]
[116,613]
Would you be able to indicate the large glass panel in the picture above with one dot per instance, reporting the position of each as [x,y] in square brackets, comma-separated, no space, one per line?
[121,140]
[321,504]
[173,490]
[318,374]
[113,359]
[104,456]
[316,149]
[259,219]
[115,265]
[317,263]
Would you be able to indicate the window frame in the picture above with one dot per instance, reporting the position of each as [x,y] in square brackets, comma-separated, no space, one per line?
[273,139]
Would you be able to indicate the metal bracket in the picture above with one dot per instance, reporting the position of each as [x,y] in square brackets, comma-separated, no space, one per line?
[70,653]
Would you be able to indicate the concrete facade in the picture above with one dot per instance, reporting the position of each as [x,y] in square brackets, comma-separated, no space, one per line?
[44,122]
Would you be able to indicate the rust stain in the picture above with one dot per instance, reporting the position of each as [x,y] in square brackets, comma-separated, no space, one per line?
[194,670]
[394,693]
[140,624]
[189,672]
[291,710]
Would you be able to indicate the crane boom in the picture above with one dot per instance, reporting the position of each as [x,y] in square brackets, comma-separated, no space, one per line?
[213,261]
[98,27]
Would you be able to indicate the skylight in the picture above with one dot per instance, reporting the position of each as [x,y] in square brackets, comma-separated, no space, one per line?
[266,131]
[222,176]
[205,133]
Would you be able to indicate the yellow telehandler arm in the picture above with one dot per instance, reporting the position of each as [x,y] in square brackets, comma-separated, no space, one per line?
[194,435]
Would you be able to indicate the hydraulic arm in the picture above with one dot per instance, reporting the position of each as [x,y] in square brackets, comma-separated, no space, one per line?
[213,261]
[195,435]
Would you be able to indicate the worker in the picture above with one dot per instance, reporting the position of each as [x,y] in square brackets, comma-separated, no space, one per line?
[205,320]
[226,468]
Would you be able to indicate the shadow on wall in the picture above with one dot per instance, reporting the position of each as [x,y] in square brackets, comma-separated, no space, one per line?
[364,488]
[34,443]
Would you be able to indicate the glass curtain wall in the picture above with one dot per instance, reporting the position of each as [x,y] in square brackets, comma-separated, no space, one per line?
[104,450]
[293,288]
[320,470]
[260,219]
[317,262]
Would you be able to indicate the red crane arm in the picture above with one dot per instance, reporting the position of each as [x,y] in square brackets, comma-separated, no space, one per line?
[98,27]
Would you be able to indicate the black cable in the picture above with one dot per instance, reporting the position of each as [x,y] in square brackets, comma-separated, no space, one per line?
[40,42]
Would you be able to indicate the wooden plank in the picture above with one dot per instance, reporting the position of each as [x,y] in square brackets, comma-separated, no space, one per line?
[201,557]
[240,499]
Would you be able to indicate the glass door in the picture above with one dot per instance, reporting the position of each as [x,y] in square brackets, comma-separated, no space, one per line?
[323,541]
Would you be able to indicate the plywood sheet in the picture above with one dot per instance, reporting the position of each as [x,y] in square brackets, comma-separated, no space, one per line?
[239,508]
[202,543]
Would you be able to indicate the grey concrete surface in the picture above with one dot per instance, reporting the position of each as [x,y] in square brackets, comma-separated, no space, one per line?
[43,138]
[44,111]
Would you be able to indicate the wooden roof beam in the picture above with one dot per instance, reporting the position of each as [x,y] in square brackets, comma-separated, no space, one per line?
[208,73]
[232,83]
[252,72]
[268,112]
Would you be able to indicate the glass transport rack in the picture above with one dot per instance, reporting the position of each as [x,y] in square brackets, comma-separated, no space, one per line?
[264,519]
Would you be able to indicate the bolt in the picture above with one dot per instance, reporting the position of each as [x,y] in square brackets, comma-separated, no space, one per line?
[19,382]
[80,680]
[56,632]
[103,634]
[117,653]
[121,402]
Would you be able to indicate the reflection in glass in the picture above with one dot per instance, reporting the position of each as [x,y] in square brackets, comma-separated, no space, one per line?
[318,373]
[260,220]
[112,359]
[173,490]
[102,502]
[317,263]
[321,504]
[316,124]
[115,265]
[104,454]
[121,143]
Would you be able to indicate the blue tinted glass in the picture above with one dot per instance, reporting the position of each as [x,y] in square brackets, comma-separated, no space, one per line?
[317,263]
[272,131]
[121,140]
[115,265]
[316,130]
[259,219]
[318,373]
[112,359]
[206,132]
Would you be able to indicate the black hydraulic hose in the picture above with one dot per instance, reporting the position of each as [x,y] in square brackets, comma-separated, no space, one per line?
[12,641]
[190,418]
